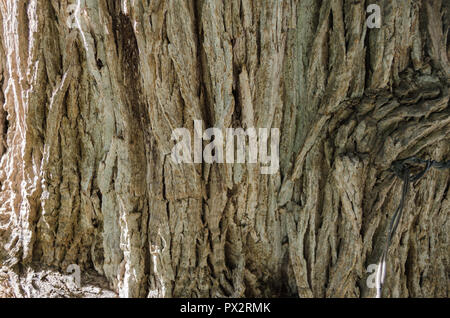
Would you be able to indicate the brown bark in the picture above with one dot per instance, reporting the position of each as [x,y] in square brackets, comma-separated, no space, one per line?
[88,109]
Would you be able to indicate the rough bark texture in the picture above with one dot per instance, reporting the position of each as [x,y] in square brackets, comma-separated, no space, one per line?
[88,110]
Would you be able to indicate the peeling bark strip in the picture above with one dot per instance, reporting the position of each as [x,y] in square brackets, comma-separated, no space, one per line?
[92,90]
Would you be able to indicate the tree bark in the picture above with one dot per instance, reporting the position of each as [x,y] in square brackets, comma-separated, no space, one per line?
[92,90]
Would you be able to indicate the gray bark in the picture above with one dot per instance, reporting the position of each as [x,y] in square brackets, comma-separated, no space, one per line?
[88,110]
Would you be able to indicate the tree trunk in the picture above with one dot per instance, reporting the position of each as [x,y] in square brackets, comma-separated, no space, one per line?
[92,90]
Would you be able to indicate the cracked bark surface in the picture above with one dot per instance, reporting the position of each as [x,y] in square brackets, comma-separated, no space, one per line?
[88,110]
